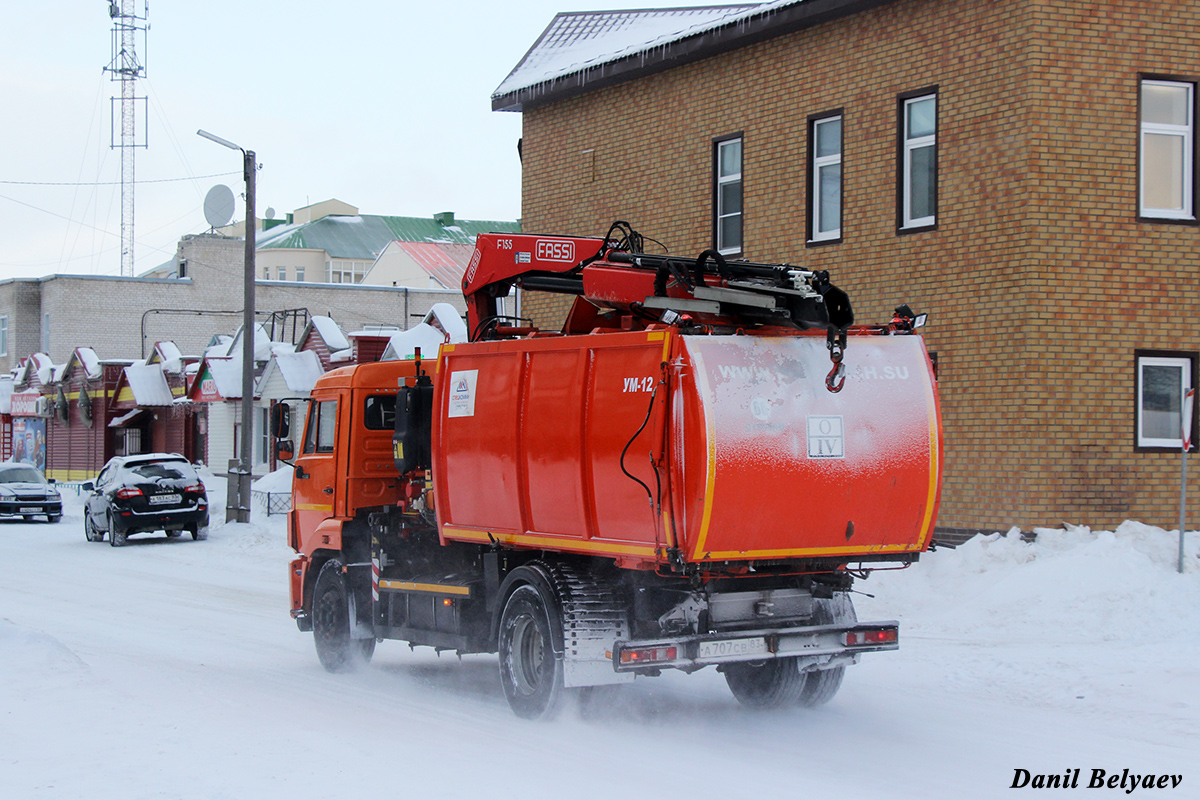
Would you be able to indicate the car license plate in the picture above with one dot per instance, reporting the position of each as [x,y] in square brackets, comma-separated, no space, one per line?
[723,648]
[30,510]
[163,499]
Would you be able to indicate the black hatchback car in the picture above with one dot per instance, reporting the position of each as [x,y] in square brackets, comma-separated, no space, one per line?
[25,491]
[143,493]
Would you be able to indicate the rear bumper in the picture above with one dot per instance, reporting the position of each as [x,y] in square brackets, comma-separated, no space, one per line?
[814,647]
[173,520]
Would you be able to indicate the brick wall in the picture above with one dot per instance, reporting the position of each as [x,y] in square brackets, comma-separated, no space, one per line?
[1039,279]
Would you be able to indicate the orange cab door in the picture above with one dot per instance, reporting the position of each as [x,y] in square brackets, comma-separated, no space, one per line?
[316,481]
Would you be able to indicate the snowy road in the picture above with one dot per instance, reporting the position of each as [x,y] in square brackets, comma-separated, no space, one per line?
[170,669]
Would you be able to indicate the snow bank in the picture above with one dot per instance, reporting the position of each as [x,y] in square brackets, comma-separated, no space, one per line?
[1070,583]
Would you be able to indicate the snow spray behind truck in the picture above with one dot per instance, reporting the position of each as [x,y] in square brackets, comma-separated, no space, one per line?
[691,473]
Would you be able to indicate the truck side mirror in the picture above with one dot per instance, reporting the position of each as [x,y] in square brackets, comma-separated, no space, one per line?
[283,450]
[281,421]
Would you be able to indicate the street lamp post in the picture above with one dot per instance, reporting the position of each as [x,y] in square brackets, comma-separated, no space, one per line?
[237,504]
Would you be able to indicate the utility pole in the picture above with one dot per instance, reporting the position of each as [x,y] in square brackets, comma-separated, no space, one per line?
[125,67]
[237,505]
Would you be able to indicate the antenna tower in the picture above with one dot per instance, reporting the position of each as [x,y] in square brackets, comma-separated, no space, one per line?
[126,68]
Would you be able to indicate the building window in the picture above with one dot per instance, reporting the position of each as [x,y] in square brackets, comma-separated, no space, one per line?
[727,195]
[1166,150]
[3,335]
[918,160]
[1162,380]
[300,274]
[347,271]
[266,273]
[281,273]
[825,178]
[46,334]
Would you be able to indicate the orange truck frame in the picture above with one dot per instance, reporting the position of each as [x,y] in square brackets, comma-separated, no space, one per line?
[691,473]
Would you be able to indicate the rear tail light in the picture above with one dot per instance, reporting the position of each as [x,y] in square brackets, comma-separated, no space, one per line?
[195,488]
[128,492]
[649,655]
[880,636]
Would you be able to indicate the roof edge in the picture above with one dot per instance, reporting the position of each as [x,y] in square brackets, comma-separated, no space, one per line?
[696,47]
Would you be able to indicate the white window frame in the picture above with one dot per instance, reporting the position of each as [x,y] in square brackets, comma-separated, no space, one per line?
[818,165]
[1187,133]
[1184,362]
[719,182]
[300,274]
[908,146]
[281,273]
[3,335]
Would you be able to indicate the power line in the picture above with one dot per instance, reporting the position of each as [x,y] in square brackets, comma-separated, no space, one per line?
[117,183]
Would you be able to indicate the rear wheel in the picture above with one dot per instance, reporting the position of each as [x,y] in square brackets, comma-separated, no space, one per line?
[766,685]
[116,536]
[821,685]
[198,531]
[336,649]
[530,672]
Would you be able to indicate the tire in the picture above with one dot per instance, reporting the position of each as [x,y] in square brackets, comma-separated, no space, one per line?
[89,530]
[198,531]
[821,685]
[337,651]
[173,534]
[530,672]
[27,517]
[116,536]
[776,683]
[53,518]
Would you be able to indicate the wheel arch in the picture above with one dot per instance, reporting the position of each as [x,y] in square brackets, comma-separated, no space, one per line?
[537,574]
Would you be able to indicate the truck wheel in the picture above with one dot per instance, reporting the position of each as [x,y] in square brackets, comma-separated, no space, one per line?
[822,685]
[770,684]
[531,673]
[337,651]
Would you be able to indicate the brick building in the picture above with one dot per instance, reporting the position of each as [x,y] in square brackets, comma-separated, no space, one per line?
[1023,170]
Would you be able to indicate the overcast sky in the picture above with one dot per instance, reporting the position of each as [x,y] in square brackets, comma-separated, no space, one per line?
[383,104]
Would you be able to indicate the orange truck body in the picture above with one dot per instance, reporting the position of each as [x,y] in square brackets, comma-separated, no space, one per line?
[677,479]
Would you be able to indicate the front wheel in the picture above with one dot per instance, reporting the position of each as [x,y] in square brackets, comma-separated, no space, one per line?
[89,530]
[770,684]
[336,649]
[530,671]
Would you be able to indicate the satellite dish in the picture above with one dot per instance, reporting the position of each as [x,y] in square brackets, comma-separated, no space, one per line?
[218,205]
[270,213]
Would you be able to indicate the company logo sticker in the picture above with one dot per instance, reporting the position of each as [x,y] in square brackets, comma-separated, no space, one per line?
[555,250]
[462,395]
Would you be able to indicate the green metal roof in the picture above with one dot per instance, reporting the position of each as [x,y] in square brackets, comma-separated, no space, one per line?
[366,235]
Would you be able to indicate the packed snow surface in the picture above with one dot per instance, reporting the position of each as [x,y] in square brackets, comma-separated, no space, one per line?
[171,669]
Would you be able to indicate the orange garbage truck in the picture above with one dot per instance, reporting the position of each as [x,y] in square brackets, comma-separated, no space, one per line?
[692,472]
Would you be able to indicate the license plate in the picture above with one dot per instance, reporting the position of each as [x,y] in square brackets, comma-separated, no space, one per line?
[723,648]
[163,499]
[31,510]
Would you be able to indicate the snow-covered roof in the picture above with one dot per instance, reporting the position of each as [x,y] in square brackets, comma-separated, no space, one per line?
[90,361]
[43,366]
[227,374]
[169,355]
[149,385]
[442,324]
[298,370]
[584,50]
[330,332]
